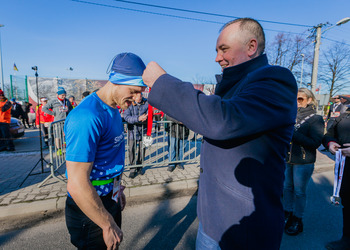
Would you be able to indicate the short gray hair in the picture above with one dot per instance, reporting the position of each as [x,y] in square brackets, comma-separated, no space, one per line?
[254,27]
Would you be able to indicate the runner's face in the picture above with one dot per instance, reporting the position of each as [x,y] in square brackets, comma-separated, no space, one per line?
[125,95]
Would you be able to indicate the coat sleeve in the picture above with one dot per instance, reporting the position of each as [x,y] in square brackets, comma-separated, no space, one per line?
[314,137]
[331,134]
[6,106]
[129,117]
[47,108]
[261,105]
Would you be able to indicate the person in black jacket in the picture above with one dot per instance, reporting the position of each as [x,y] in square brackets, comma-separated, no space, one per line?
[307,137]
[337,137]
[16,110]
[335,110]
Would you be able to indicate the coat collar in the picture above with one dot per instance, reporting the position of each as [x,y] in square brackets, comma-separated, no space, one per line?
[234,74]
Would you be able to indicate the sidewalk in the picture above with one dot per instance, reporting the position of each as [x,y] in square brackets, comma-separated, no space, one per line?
[155,183]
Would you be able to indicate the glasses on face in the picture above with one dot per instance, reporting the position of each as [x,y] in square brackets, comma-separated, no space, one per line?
[301,99]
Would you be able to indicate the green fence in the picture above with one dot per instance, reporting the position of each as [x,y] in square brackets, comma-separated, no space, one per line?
[18,88]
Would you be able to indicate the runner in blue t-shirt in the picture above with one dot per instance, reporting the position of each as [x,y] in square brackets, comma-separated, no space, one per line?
[95,157]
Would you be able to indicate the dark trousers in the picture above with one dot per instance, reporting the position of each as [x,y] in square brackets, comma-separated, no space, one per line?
[157,118]
[25,120]
[136,145]
[84,233]
[45,132]
[5,136]
[344,194]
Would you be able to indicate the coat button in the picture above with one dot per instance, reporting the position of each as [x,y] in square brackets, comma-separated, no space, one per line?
[201,170]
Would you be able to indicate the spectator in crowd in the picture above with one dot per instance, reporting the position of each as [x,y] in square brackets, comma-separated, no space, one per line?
[157,116]
[26,110]
[338,137]
[96,158]
[58,107]
[5,119]
[85,94]
[247,127]
[178,136]
[307,137]
[136,117]
[72,101]
[31,117]
[16,110]
[45,120]
[335,110]
[345,100]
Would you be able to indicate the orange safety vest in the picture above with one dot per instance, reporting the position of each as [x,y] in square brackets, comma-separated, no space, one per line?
[5,117]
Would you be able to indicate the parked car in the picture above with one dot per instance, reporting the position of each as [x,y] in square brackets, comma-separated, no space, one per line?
[16,128]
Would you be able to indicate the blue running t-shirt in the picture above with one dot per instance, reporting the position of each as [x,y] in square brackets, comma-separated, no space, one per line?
[94,133]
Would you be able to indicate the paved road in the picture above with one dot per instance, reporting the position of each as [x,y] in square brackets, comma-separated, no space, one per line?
[172,224]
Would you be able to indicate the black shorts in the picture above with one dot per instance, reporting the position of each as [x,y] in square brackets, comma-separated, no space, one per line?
[84,233]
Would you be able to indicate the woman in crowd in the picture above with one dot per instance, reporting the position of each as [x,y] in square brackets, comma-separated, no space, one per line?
[307,137]
[338,137]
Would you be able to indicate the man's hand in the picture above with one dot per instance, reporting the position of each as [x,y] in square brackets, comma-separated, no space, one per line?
[152,72]
[143,117]
[112,236]
[333,147]
[346,151]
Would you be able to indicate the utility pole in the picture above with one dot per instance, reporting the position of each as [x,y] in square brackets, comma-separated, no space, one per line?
[316,57]
[317,49]
[302,68]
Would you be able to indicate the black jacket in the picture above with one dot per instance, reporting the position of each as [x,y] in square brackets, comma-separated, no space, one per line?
[17,110]
[339,132]
[306,138]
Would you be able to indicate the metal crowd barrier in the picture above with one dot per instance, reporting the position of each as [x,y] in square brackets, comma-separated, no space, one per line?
[157,154]
[57,147]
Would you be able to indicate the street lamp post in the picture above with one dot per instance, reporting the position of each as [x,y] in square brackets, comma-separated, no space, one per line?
[319,32]
[2,74]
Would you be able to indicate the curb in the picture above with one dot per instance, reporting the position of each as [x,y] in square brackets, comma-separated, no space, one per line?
[134,195]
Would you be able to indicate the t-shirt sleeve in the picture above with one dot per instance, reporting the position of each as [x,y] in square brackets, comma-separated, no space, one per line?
[82,131]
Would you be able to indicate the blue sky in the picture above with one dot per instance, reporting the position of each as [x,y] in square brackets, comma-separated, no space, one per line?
[58,34]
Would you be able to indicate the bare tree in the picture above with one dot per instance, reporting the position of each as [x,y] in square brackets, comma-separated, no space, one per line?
[289,51]
[335,68]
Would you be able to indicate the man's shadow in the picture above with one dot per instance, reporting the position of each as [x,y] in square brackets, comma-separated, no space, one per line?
[263,228]
[172,228]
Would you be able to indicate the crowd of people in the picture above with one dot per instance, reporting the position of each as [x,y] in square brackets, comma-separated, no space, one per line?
[260,135]
[41,117]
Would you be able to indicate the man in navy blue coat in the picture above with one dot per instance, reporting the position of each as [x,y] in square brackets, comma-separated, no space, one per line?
[247,126]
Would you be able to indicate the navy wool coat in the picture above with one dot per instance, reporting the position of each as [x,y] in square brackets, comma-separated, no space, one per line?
[247,127]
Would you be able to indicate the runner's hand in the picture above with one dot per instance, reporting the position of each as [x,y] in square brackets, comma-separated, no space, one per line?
[112,236]
[346,151]
[333,147]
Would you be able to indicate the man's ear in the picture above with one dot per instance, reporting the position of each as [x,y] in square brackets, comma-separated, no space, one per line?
[252,47]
